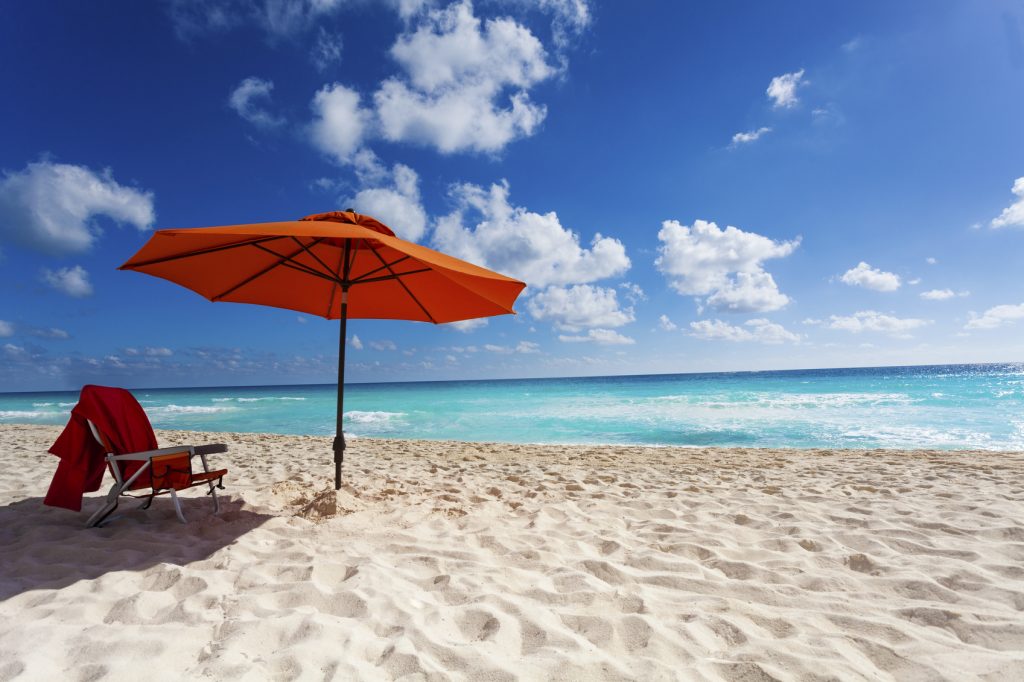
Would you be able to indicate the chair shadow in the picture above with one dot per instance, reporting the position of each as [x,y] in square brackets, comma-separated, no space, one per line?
[45,548]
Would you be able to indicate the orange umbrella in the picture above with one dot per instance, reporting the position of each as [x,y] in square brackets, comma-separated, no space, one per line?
[336,265]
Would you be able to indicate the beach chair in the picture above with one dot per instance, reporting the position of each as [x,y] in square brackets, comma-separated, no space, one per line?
[144,475]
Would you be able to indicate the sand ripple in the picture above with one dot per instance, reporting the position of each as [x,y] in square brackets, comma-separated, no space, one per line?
[442,561]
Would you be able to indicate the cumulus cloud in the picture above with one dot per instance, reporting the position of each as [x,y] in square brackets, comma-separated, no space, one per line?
[525,347]
[724,265]
[384,344]
[356,342]
[996,317]
[73,281]
[873,321]
[604,337]
[782,90]
[930,261]
[340,123]
[942,294]
[749,136]
[666,324]
[759,330]
[1012,215]
[466,82]
[466,326]
[6,329]
[397,204]
[530,246]
[249,100]
[578,307]
[52,207]
[871,278]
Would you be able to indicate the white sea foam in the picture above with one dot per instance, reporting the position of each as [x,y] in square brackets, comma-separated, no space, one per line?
[358,417]
[191,409]
[29,414]
[66,404]
[255,400]
[42,404]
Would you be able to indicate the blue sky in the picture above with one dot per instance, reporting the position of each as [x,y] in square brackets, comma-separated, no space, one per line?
[684,186]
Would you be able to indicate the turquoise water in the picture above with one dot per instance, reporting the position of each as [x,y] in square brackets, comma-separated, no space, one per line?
[948,407]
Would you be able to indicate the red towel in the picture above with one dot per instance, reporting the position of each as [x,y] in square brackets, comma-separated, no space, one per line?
[120,418]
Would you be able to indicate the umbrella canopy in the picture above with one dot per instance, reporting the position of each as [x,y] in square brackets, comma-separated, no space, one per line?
[336,265]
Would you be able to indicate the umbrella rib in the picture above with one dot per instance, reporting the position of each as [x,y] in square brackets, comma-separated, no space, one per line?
[255,276]
[363,276]
[312,255]
[201,252]
[286,261]
[398,278]
[383,278]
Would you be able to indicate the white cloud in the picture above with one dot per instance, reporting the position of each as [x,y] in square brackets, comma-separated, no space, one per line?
[760,330]
[873,321]
[579,306]
[782,90]
[633,292]
[48,333]
[52,206]
[466,326]
[72,281]
[749,292]
[340,123]
[749,136]
[527,347]
[725,265]
[396,205]
[942,294]
[1012,215]
[524,347]
[570,17]
[930,261]
[996,317]
[466,82]
[665,323]
[384,344]
[604,337]
[356,342]
[6,329]
[277,18]
[326,49]
[158,352]
[249,99]
[530,246]
[914,282]
[871,278]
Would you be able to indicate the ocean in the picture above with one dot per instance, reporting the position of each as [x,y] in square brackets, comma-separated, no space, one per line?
[944,407]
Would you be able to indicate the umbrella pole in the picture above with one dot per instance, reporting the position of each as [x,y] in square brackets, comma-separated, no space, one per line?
[339,437]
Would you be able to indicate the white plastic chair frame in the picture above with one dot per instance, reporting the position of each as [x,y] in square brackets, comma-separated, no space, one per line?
[121,486]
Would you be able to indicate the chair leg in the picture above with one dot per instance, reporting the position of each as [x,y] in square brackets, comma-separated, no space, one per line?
[148,501]
[101,514]
[177,505]
[108,507]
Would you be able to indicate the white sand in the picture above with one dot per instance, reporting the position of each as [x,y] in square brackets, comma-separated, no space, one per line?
[494,562]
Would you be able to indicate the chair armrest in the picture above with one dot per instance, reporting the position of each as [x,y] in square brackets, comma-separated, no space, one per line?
[146,454]
[211,449]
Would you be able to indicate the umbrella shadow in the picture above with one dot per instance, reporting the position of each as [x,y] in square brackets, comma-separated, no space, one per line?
[47,549]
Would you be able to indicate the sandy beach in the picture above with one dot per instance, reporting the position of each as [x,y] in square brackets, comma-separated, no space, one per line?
[446,560]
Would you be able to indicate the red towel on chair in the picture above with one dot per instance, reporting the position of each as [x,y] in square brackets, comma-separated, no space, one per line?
[118,415]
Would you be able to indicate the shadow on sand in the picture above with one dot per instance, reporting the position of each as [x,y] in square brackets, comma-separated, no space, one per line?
[46,548]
